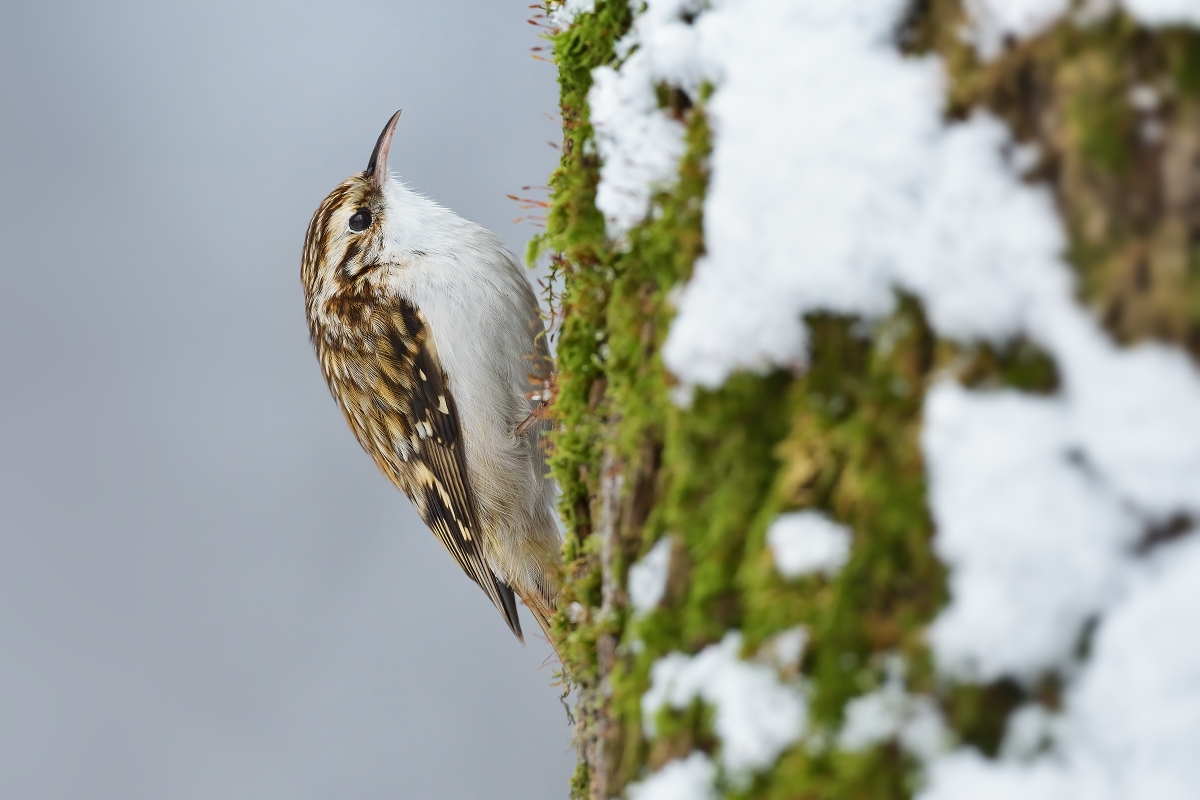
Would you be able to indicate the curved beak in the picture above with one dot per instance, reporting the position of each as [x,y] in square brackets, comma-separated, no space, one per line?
[377,166]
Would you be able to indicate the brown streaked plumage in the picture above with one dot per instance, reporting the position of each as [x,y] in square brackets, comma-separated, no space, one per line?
[428,336]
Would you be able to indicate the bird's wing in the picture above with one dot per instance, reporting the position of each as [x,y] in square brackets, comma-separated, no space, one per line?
[434,475]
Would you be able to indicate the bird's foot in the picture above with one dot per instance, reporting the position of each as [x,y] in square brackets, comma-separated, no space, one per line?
[544,395]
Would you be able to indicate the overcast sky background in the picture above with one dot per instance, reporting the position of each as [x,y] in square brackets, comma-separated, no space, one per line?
[206,588]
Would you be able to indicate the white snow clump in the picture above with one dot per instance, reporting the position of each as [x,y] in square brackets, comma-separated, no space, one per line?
[690,778]
[648,577]
[757,717]
[804,542]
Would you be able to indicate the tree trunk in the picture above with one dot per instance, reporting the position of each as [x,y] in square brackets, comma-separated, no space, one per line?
[842,434]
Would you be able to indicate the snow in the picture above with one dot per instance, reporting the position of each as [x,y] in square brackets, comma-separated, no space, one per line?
[782,233]
[786,648]
[836,182]
[1136,412]
[928,208]
[1136,707]
[890,713]
[687,779]
[1144,98]
[1131,723]
[1028,731]
[966,773]
[648,577]
[804,542]
[756,716]
[993,22]
[562,15]
[1035,544]
[982,248]
[639,143]
[1164,12]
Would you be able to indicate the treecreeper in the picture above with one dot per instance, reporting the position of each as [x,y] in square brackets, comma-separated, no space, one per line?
[429,336]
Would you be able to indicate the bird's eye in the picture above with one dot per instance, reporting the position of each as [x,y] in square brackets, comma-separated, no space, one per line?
[361,220]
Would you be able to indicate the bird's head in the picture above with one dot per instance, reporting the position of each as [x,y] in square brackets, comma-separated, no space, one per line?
[346,236]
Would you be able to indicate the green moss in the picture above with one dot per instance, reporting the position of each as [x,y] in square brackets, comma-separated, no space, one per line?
[1099,123]
[581,780]
[1183,54]
[978,713]
[575,237]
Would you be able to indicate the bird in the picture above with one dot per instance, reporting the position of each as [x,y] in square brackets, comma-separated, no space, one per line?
[431,341]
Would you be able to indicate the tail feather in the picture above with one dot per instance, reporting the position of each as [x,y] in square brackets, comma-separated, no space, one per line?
[509,608]
[543,609]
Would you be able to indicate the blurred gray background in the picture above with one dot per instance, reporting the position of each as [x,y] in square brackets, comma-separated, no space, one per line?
[206,589]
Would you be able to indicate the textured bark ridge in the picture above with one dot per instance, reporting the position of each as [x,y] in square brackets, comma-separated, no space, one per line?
[842,435]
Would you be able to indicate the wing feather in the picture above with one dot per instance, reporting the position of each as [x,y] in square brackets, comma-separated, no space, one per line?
[434,474]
